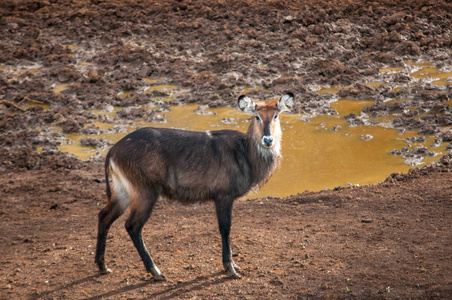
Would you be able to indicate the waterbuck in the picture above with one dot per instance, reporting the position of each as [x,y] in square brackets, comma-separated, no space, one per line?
[189,166]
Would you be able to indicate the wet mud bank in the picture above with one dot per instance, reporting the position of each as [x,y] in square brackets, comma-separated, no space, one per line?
[82,55]
[61,62]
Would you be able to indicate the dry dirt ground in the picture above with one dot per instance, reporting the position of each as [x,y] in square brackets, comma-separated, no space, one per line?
[390,240]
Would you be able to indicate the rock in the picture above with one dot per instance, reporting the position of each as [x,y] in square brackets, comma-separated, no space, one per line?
[94,142]
[131,113]
[229,121]
[202,111]
[366,219]
[93,75]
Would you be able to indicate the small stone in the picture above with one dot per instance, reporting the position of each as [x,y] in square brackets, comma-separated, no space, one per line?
[93,75]
[366,220]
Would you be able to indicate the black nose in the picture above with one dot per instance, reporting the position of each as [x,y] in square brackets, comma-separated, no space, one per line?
[267,141]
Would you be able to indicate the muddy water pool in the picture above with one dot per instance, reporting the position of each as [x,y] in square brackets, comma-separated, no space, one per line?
[321,153]
[318,152]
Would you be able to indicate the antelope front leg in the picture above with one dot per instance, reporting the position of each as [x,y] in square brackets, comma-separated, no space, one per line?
[224,214]
[231,268]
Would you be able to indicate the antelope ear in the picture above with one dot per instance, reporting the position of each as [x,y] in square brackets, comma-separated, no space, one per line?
[246,104]
[286,102]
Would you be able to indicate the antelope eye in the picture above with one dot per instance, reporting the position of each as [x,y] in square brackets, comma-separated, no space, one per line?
[275,116]
[258,117]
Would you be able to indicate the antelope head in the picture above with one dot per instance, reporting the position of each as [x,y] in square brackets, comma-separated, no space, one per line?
[265,129]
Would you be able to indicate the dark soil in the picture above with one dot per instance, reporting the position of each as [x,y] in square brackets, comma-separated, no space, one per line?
[390,240]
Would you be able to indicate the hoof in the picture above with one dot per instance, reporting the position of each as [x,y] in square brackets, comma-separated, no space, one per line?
[230,268]
[159,277]
[105,271]
[234,275]
[156,274]
[103,268]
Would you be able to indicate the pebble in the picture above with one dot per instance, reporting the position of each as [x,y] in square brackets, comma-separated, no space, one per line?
[366,220]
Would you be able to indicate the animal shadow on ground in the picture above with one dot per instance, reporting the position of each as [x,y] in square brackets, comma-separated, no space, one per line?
[171,292]
[45,295]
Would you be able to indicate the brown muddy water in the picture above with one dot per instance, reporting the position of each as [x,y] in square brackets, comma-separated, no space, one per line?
[318,152]
[314,156]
